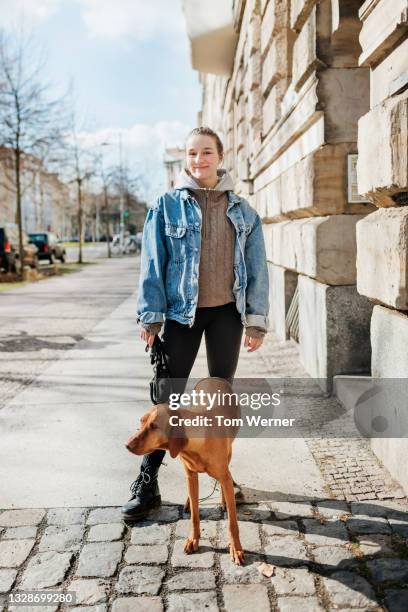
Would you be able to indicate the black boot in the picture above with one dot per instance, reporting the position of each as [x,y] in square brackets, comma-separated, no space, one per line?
[146,494]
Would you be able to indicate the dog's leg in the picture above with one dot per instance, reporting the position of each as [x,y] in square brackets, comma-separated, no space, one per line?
[236,552]
[223,504]
[191,544]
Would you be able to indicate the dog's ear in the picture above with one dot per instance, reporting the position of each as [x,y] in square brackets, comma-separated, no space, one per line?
[177,437]
[176,444]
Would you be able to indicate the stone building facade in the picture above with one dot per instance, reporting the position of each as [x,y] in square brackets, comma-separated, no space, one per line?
[312,108]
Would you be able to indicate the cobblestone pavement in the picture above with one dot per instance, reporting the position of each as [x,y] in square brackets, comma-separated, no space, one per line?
[348,465]
[327,555]
[41,321]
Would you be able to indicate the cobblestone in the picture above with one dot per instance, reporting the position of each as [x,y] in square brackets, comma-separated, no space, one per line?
[46,570]
[21,518]
[286,552]
[361,525]
[292,604]
[140,580]
[193,602]
[293,582]
[137,604]
[350,589]
[332,532]
[61,538]
[243,596]
[155,553]
[99,560]
[136,567]
[201,558]
[150,534]
[191,581]
[14,552]
[20,533]
[7,577]
[106,533]
[396,599]
[383,570]
[66,516]
[90,591]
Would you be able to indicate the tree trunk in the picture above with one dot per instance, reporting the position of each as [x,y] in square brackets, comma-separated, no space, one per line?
[79,220]
[19,216]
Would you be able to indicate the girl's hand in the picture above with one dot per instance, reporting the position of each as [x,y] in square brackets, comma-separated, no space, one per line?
[147,337]
[252,343]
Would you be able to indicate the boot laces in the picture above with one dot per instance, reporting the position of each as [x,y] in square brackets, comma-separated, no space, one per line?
[142,479]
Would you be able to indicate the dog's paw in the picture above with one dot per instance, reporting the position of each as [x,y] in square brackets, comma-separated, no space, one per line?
[191,545]
[236,554]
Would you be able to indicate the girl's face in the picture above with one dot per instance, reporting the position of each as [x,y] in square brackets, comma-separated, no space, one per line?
[202,159]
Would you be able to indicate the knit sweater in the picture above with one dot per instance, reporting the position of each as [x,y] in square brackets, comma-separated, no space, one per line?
[216,270]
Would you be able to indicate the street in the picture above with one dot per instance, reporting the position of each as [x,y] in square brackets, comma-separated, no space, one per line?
[74,384]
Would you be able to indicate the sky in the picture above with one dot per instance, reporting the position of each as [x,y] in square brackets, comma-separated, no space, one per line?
[129,63]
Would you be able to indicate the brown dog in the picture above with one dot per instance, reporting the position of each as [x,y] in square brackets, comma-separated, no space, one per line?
[206,447]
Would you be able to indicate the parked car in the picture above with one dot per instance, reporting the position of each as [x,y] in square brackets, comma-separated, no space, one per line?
[49,246]
[10,249]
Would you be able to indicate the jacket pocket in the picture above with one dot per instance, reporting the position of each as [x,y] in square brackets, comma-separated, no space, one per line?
[174,231]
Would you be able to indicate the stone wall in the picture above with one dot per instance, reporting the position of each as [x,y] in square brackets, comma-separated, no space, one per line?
[382,237]
[289,116]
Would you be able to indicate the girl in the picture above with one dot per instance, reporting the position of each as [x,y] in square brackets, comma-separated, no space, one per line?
[203,270]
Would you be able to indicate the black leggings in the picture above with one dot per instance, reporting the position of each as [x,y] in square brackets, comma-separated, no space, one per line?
[223,330]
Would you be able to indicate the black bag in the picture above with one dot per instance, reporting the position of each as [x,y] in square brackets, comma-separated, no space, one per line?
[160,385]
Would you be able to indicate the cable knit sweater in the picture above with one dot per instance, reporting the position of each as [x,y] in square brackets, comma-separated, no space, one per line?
[216,271]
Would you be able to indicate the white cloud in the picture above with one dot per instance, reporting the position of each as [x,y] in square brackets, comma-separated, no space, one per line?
[140,19]
[31,12]
[143,148]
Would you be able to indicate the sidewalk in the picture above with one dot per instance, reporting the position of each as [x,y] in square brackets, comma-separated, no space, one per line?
[66,471]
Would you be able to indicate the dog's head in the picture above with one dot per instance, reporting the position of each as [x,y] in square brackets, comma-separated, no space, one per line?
[155,432]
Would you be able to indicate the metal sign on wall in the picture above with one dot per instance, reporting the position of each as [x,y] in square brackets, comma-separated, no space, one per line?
[353,196]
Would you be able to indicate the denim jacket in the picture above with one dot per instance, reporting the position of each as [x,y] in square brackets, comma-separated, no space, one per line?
[168,283]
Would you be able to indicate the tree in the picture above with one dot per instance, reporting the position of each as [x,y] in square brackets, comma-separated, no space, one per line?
[30,123]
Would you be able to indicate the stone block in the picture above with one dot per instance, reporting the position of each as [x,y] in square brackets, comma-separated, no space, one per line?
[384,23]
[277,63]
[155,553]
[66,516]
[282,285]
[344,93]
[304,60]
[246,596]
[292,604]
[46,570]
[106,533]
[201,558]
[382,166]
[14,552]
[193,601]
[268,26]
[192,581]
[389,339]
[323,248]
[293,581]
[299,11]
[348,589]
[136,579]
[137,604]
[385,77]
[270,110]
[334,330]
[90,591]
[286,551]
[382,256]
[150,533]
[21,518]
[61,538]
[7,577]
[99,560]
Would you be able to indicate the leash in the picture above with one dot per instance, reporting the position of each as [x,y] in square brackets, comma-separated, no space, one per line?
[161,370]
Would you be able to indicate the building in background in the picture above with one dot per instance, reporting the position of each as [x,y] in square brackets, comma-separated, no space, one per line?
[173,162]
[311,101]
[46,201]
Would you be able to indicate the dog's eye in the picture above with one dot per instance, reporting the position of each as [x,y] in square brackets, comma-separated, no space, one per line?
[153,426]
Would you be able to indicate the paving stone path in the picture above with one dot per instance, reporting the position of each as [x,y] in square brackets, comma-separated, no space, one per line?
[328,555]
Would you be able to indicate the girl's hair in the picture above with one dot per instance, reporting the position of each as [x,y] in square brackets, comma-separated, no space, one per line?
[206,131]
